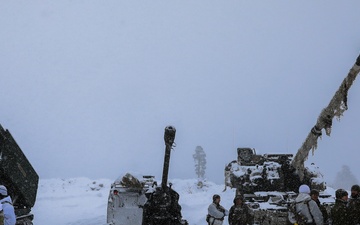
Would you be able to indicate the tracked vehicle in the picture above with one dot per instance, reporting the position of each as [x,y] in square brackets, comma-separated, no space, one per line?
[269,182]
[268,172]
[140,201]
[19,177]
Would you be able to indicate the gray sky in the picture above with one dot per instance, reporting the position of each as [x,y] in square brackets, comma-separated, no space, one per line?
[87,87]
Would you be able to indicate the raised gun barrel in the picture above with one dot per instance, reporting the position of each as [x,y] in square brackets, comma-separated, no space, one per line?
[336,108]
[162,207]
[169,137]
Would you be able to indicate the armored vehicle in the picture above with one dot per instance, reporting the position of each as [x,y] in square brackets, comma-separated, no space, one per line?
[268,172]
[269,182]
[140,201]
[18,176]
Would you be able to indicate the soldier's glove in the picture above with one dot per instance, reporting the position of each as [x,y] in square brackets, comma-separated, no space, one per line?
[358,61]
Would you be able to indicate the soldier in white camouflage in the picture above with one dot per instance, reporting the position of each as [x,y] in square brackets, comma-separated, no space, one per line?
[7,207]
[216,212]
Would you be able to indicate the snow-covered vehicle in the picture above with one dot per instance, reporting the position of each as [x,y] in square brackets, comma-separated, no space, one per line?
[268,172]
[127,198]
[269,182]
[18,176]
[139,201]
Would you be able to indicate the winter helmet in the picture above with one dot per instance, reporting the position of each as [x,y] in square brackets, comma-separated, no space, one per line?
[339,193]
[304,189]
[215,197]
[355,188]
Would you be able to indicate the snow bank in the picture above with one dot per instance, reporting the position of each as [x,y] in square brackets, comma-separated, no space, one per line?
[82,201]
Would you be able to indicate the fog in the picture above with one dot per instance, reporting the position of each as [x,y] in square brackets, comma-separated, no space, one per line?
[93,84]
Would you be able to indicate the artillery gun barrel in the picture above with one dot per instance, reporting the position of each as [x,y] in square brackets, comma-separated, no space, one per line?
[336,107]
[162,207]
[169,137]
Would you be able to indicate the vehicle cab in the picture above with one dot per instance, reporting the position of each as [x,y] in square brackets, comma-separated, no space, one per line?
[127,197]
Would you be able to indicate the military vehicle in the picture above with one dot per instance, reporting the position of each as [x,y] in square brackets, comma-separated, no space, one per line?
[127,198]
[269,182]
[18,176]
[268,172]
[138,200]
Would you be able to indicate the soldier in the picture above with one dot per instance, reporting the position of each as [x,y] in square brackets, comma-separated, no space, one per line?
[216,212]
[306,208]
[354,205]
[8,209]
[314,194]
[239,213]
[339,212]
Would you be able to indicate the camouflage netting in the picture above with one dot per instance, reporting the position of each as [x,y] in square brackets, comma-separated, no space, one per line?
[129,180]
[336,108]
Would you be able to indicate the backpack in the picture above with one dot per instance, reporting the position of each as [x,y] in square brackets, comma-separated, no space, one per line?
[299,217]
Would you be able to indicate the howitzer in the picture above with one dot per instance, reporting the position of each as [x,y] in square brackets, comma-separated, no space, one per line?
[275,178]
[18,175]
[252,172]
[162,207]
[336,108]
[139,201]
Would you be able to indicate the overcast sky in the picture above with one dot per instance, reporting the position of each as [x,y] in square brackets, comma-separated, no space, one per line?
[87,87]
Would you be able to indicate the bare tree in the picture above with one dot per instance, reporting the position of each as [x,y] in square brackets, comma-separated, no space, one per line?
[200,162]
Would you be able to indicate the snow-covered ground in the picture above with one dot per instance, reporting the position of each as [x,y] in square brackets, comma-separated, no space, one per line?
[82,201]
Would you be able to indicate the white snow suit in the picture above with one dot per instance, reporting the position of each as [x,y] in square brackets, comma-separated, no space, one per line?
[307,207]
[8,209]
[217,214]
